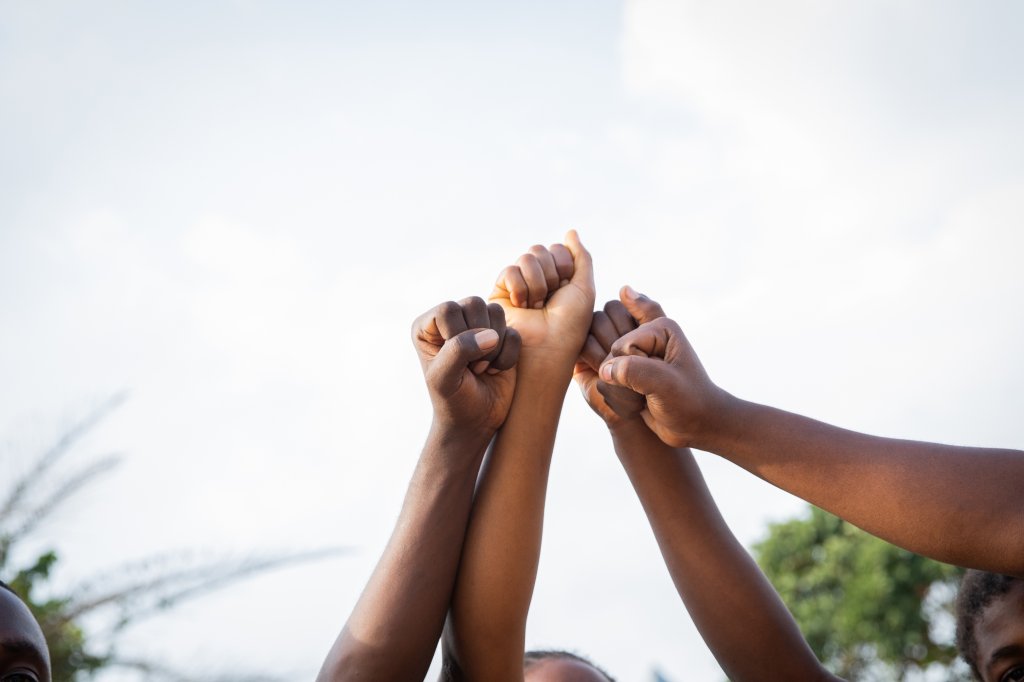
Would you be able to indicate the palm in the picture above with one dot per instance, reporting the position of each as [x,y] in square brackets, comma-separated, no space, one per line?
[587,380]
[628,404]
[564,318]
[486,397]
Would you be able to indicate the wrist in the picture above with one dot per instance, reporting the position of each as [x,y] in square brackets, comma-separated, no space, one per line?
[635,444]
[459,441]
[550,366]
[722,422]
[625,429]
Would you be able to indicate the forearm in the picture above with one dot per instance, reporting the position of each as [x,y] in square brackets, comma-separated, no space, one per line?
[394,628]
[737,611]
[955,504]
[487,626]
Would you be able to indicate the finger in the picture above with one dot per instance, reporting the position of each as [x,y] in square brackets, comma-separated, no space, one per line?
[450,320]
[547,265]
[620,317]
[563,263]
[583,372]
[602,329]
[648,376]
[508,355]
[649,339]
[496,317]
[425,331]
[512,285]
[642,308]
[496,321]
[584,376]
[534,276]
[583,265]
[623,401]
[474,310]
[475,313]
[593,354]
[448,370]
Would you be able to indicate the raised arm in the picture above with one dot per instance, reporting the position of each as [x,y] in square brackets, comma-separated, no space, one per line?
[960,505]
[468,359]
[738,613]
[547,297]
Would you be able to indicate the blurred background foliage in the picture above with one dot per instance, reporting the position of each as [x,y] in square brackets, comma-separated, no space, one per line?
[869,610]
[84,623]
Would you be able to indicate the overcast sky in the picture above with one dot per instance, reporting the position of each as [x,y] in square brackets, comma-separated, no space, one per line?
[235,209]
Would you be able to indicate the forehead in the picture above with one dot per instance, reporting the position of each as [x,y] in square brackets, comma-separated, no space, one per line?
[17,624]
[563,670]
[1001,624]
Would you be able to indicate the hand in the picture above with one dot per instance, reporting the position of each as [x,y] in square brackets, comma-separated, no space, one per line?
[548,296]
[468,357]
[614,404]
[657,361]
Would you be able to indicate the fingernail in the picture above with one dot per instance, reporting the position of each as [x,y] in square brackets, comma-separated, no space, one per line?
[563,283]
[631,293]
[538,305]
[606,371]
[491,370]
[479,366]
[488,338]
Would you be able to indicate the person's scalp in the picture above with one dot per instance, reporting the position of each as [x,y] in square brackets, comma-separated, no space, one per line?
[978,589]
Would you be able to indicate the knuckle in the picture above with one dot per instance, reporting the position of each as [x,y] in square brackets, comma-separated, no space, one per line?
[614,307]
[419,323]
[527,260]
[448,308]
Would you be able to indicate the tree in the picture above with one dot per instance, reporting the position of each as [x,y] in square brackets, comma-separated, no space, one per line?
[120,598]
[867,608]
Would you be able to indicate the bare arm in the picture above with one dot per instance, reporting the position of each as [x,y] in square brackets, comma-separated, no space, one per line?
[486,632]
[737,611]
[394,628]
[954,504]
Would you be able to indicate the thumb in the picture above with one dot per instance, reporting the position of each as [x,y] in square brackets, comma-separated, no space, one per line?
[642,308]
[648,376]
[583,264]
[448,368]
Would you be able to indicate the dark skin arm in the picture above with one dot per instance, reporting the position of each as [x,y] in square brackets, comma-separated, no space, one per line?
[960,505]
[468,358]
[547,296]
[737,611]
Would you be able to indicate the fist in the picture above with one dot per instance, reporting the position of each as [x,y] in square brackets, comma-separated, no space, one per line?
[656,361]
[468,356]
[548,296]
[614,404]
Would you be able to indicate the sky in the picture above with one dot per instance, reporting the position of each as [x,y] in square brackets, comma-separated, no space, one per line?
[234,210]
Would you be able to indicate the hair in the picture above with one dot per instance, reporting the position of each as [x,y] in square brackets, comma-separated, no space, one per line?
[538,656]
[978,589]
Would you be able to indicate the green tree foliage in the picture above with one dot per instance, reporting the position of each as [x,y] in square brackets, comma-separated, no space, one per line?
[867,608]
[110,603]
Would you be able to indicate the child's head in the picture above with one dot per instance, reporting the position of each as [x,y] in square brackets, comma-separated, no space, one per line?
[22,645]
[990,625]
[561,666]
